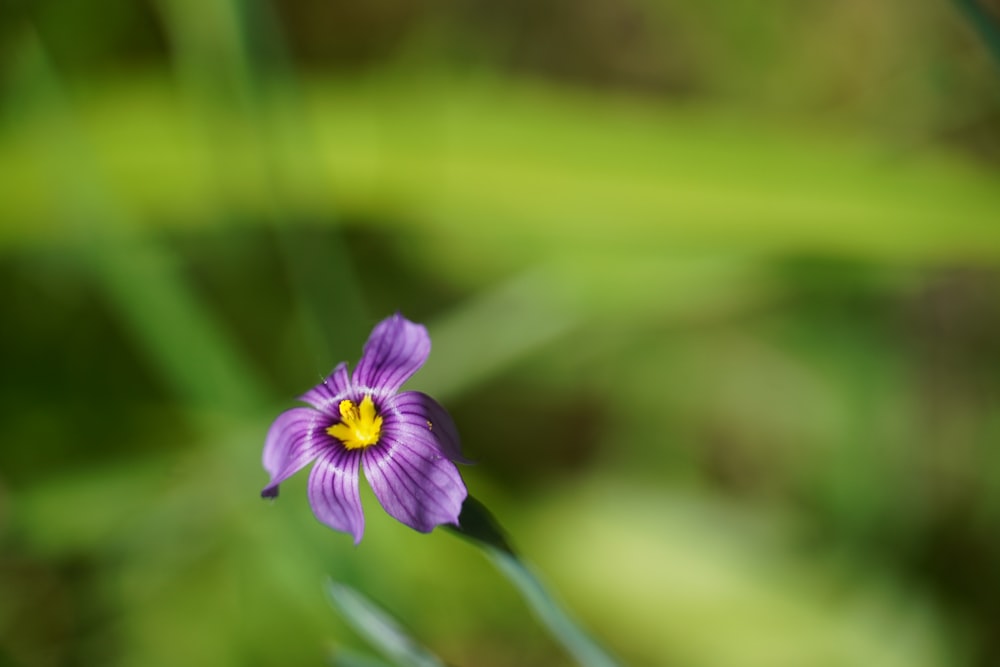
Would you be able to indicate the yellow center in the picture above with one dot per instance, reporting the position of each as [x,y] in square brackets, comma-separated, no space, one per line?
[359,425]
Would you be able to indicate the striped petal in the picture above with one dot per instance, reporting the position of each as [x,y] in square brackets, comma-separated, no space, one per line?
[294,439]
[414,483]
[419,416]
[328,394]
[394,352]
[333,491]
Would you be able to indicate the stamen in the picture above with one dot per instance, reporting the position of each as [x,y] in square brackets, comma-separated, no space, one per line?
[359,426]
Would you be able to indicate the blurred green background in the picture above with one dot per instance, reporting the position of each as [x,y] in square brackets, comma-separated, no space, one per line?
[713,289]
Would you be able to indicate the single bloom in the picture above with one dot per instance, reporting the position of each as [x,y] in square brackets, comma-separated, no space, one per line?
[405,441]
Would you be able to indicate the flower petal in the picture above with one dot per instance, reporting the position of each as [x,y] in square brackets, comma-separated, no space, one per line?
[420,416]
[394,352]
[414,483]
[333,491]
[328,394]
[291,443]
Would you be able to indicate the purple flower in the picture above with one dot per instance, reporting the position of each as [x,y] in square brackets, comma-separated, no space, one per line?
[406,442]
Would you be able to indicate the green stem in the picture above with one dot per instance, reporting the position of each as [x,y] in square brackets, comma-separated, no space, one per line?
[479,526]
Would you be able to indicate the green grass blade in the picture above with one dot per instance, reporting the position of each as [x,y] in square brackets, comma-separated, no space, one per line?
[527,173]
[344,658]
[281,149]
[141,279]
[380,629]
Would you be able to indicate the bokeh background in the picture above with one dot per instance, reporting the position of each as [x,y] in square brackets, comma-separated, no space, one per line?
[713,289]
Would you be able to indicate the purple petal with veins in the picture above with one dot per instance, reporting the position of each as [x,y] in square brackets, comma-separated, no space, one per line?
[394,352]
[414,483]
[333,492]
[327,395]
[295,439]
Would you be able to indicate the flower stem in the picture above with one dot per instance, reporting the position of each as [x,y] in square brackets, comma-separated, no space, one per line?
[480,527]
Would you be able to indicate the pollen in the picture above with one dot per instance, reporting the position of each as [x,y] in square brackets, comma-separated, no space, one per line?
[359,425]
